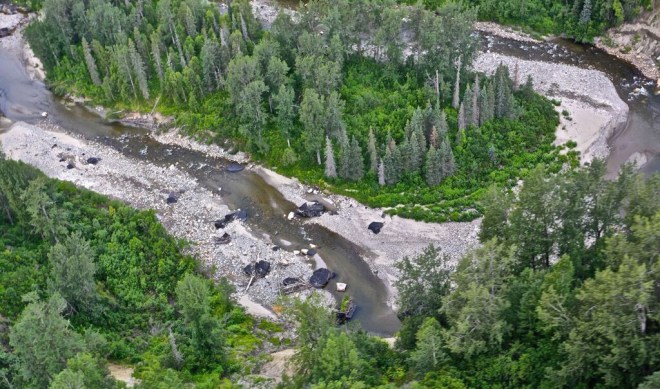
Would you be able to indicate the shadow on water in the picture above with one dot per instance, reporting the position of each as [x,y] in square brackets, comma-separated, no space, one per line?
[24,99]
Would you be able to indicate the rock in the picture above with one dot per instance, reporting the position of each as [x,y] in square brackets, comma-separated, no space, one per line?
[320,277]
[291,281]
[172,198]
[69,166]
[304,251]
[311,252]
[296,252]
[312,245]
[238,215]
[248,270]
[375,227]
[224,239]
[341,287]
[291,216]
[276,248]
[311,209]
[44,114]
[235,168]
[262,268]
[92,160]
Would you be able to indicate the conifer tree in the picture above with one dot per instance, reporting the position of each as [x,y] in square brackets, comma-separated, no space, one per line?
[433,167]
[476,94]
[156,54]
[416,154]
[448,162]
[381,173]
[487,101]
[330,167]
[466,105]
[457,86]
[461,118]
[138,68]
[91,64]
[373,152]
[345,159]
[434,138]
[312,117]
[285,110]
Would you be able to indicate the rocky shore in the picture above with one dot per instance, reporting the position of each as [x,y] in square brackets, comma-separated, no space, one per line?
[590,108]
[147,186]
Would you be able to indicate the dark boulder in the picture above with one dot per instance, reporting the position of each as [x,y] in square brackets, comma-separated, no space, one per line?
[375,227]
[235,168]
[311,209]
[238,215]
[321,277]
[69,166]
[224,239]
[248,270]
[311,252]
[172,198]
[262,268]
[92,160]
[290,281]
[276,248]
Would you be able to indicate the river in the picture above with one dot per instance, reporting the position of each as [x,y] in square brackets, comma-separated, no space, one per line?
[24,99]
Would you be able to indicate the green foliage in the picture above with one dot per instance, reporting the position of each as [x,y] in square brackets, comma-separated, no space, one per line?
[122,275]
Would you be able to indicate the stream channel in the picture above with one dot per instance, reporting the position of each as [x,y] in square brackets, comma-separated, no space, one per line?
[23,99]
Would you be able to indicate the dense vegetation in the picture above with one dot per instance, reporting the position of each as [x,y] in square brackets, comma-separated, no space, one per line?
[84,279]
[564,292]
[579,19]
[336,97]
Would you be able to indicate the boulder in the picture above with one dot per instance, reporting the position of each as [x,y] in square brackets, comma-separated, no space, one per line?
[321,277]
[311,252]
[304,251]
[235,168]
[92,160]
[291,216]
[224,239]
[341,287]
[172,198]
[248,270]
[69,166]
[291,281]
[238,215]
[376,226]
[262,268]
[311,209]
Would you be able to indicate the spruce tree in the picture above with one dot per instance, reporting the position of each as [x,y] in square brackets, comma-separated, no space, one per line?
[433,167]
[138,69]
[91,64]
[381,173]
[466,105]
[476,94]
[448,162]
[416,154]
[345,159]
[373,152]
[461,118]
[330,167]
[457,86]
[156,53]
[434,138]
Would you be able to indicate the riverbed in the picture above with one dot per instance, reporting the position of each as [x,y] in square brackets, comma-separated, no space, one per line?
[142,169]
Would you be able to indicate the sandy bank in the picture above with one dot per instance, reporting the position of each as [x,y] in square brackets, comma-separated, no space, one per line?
[146,186]
[595,110]
[398,238]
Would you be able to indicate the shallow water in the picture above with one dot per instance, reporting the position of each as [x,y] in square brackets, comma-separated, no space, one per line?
[642,132]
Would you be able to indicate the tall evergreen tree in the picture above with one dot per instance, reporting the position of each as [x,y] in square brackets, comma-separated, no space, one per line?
[330,167]
[91,64]
[433,167]
[312,117]
[381,173]
[448,162]
[476,94]
[138,68]
[462,123]
[467,106]
[457,86]
[373,152]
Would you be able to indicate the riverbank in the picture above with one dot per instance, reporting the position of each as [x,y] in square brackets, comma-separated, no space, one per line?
[398,238]
[147,186]
[590,108]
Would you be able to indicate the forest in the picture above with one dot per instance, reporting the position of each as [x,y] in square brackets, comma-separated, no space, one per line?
[364,98]
[581,20]
[563,292]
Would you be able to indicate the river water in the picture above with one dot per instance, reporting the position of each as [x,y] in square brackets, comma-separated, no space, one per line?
[24,99]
